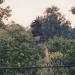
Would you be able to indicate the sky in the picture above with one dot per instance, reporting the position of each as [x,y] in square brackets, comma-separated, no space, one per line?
[25,11]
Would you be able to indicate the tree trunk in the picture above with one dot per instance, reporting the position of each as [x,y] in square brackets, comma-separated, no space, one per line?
[48,62]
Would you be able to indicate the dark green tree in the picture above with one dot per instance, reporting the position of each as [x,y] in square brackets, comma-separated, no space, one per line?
[53,23]
[17,49]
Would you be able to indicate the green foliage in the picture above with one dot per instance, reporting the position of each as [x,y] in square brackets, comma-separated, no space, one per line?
[62,52]
[17,48]
[53,23]
[56,44]
[58,36]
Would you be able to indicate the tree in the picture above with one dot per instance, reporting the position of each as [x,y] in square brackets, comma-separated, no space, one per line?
[37,31]
[53,23]
[66,54]
[56,24]
[17,49]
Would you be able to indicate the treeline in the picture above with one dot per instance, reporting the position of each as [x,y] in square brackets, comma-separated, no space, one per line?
[17,49]
[21,47]
[57,34]
[53,23]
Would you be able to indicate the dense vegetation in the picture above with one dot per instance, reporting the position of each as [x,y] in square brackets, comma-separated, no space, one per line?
[58,36]
[20,48]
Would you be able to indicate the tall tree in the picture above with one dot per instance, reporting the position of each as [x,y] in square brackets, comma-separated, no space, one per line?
[53,23]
